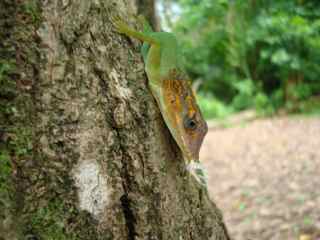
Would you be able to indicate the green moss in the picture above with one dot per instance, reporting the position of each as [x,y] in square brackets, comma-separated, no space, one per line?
[59,219]
[6,67]
[5,183]
[22,143]
[50,215]
[36,195]
[48,222]
[7,112]
[7,87]
[5,169]
[31,8]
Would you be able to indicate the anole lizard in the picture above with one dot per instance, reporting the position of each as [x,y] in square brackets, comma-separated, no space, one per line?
[172,91]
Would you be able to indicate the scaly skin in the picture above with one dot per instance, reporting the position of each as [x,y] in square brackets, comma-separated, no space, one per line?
[170,88]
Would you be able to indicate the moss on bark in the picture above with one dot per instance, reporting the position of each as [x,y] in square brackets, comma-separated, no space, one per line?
[36,200]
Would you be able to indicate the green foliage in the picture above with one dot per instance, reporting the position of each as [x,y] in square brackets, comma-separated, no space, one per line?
[263,105]
[245,93]
[212,107]
[310,106]
[252,54]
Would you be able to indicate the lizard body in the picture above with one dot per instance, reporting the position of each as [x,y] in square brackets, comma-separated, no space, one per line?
[171,89]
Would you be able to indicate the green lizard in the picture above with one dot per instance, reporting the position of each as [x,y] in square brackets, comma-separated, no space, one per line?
[171,89]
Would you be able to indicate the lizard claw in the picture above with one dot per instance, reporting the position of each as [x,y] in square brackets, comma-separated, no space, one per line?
[119,24]
[197,170]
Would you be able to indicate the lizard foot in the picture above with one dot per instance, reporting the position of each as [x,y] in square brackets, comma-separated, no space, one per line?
[197,170]
[119,24]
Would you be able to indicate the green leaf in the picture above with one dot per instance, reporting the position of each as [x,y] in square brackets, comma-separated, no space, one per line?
[280,57]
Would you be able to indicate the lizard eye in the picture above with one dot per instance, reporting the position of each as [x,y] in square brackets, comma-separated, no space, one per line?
[190,123]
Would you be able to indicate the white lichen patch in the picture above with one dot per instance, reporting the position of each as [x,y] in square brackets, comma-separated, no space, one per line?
[123,92]
[92,187]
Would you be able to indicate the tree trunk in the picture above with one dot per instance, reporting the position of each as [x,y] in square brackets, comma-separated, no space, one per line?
[84,150]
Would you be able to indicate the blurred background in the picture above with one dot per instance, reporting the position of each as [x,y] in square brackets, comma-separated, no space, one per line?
[255,65]
[254,54]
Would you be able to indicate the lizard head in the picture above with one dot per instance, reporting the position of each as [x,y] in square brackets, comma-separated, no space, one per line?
[183,117]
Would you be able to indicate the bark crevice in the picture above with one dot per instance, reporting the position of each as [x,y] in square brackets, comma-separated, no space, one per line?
[129,216]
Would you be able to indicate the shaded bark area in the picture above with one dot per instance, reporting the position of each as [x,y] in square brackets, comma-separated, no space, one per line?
[85,150]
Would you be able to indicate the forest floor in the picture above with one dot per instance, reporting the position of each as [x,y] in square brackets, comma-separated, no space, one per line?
[265,177]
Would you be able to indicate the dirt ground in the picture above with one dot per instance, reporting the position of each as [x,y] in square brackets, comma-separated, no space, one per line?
[265,177]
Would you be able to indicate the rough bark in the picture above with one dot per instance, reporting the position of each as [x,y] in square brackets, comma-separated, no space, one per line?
[84,151]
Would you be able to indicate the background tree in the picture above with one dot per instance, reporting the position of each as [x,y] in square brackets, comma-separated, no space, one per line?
[147,8]
[252,54]
[84,151]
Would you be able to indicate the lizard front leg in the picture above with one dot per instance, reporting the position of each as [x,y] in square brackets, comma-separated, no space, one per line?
[123,28]
[152,60]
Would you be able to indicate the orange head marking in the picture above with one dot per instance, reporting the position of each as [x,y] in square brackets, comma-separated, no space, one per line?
[183,117]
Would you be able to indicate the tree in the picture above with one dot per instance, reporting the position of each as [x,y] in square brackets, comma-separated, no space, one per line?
[84,151]
[253,54]
[147,8]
